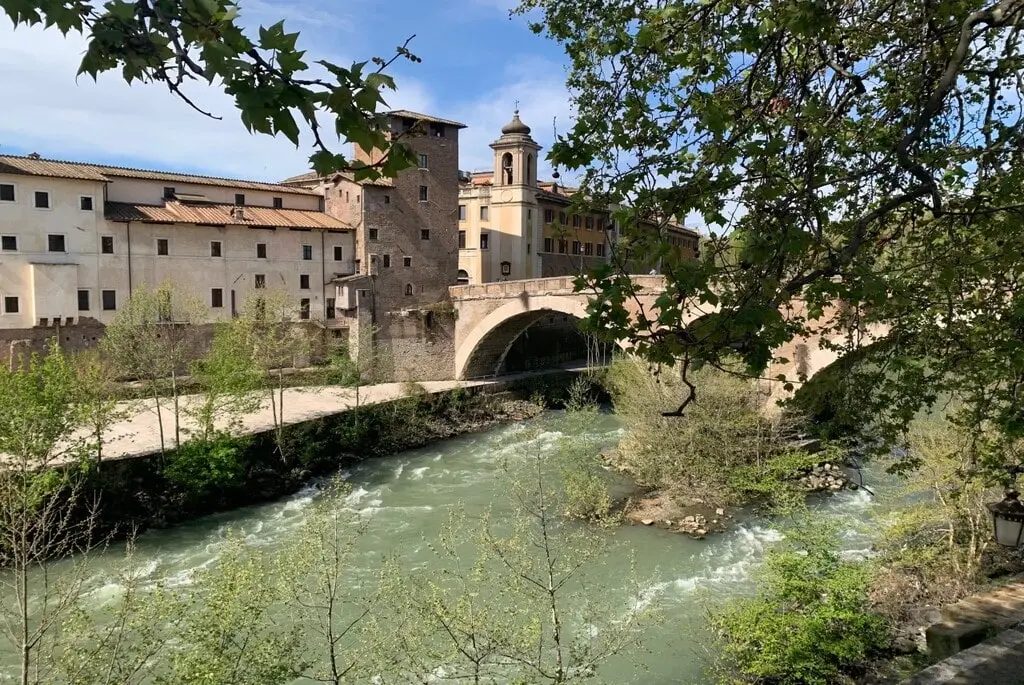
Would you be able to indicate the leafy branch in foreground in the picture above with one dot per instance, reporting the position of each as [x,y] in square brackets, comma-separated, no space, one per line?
[274,87]
[863,153]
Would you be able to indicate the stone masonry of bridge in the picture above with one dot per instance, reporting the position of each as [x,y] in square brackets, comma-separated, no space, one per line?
[491,316]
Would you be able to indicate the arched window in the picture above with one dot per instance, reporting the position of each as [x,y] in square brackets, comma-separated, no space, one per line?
[462,278]
[530,176]
[408,288]
[506,168]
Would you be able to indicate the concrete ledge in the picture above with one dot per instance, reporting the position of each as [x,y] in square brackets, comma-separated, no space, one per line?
[947,638]
[998,661]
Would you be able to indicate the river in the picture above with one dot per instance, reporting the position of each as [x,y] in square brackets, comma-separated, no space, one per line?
[407,497]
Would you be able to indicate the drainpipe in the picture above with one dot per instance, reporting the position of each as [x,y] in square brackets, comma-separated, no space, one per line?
[323,271]
[128,227]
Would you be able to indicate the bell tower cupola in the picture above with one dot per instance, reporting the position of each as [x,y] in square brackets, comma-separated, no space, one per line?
[515,155]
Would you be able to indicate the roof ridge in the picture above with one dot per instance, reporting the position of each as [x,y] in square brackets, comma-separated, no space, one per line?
[99,167]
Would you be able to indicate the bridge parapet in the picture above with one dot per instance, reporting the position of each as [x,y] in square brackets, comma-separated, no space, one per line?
[559,285]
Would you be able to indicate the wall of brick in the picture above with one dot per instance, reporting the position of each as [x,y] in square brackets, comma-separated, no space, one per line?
[418,347]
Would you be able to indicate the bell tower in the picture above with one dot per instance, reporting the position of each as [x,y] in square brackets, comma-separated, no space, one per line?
[515,155]
[515,226]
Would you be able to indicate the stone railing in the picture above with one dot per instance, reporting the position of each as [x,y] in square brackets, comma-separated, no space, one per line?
[559,285]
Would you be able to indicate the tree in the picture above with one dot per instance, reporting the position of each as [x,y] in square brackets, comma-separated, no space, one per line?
[43,509]
[96,399]
[151,339]
[553,626]
[228,382]
[860,152]
[273,86]
[269,332]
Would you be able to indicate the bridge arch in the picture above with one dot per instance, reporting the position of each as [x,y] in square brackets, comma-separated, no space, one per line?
[484,349]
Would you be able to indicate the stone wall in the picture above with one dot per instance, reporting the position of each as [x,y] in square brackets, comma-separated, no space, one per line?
[417,347]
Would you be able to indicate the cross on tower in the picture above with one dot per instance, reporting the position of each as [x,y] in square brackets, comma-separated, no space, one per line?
[517,106]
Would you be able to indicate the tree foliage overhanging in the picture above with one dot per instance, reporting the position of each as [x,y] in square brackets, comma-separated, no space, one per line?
[277,91]
[866,151]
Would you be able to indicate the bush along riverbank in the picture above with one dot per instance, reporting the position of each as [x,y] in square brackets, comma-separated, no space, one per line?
[693,472]
[224,472]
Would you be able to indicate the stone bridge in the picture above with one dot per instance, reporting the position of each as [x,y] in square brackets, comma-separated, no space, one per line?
[491,316]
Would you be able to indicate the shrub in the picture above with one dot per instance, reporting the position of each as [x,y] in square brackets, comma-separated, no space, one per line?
[584,483]
[204,466]
[808,623]
[725,429]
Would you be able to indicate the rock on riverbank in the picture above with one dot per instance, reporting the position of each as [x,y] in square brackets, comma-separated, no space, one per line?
[825,477]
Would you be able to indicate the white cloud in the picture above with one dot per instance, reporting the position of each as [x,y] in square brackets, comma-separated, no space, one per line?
[539,86]
[47,110]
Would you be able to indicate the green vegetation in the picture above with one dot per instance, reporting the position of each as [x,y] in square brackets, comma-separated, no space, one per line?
[810,621]
[722,449]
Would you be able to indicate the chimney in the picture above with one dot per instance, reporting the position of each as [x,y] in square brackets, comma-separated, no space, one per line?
[238,213]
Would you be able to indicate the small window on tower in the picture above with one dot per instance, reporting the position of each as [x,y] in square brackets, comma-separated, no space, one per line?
[406,261]
[374,233]
[425,234]
[408,289]
[423,194]
[423,161]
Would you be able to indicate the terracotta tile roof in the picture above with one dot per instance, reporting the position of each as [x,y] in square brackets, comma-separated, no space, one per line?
[100,172]
[425,117]
[307,177]
[220,214]
[30,166]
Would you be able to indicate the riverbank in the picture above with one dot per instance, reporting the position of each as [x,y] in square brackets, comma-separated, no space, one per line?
[154,490]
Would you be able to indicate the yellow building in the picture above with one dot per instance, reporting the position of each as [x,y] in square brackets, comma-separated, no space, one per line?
[512,226]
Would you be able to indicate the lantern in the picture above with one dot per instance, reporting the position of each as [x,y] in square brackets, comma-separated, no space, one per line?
[1008,519]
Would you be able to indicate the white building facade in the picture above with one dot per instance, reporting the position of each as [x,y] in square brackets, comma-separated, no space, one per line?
[77,239]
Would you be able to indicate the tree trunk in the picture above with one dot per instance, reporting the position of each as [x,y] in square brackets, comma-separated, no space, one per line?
[159,419]
[177,410]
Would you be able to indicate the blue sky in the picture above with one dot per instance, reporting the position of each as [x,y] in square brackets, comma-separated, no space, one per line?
[476,63]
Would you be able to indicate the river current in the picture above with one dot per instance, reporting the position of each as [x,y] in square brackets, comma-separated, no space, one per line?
[408,496]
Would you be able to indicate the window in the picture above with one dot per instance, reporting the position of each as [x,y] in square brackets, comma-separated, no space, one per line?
[307,252]
[562,218]
[163,247]
[261,250]
[387,261]
[529,214]
[549,216]
[549,244]
[506,268]
[83,300]
[387,199]
[329,308]
[436,130]
[6,192]
[346,196]
[217,298]
[462,278]
[423,193]
[215,248]
[425,234]
[562,245]
[590,222]
[278,203]
[588,249]
[303,281]
[109,298]
[484,212]
[168,192]
[406,261]
[260,281]
[462,212]
[55,243]
[462,240]
[600,249]
[11,304]
[600,224]
[485,240]
[9,243]
[575,247]
[337,253]
[575,221]
[506,168]
[408,289]
[85,203]
[423,161]
[239,199]
[42,199]
[304,308]
[374,234]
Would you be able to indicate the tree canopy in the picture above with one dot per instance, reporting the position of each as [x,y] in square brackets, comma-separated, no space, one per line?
[866,151]
[276,90]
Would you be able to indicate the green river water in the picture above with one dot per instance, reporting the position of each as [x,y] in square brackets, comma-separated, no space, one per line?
[408,496]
